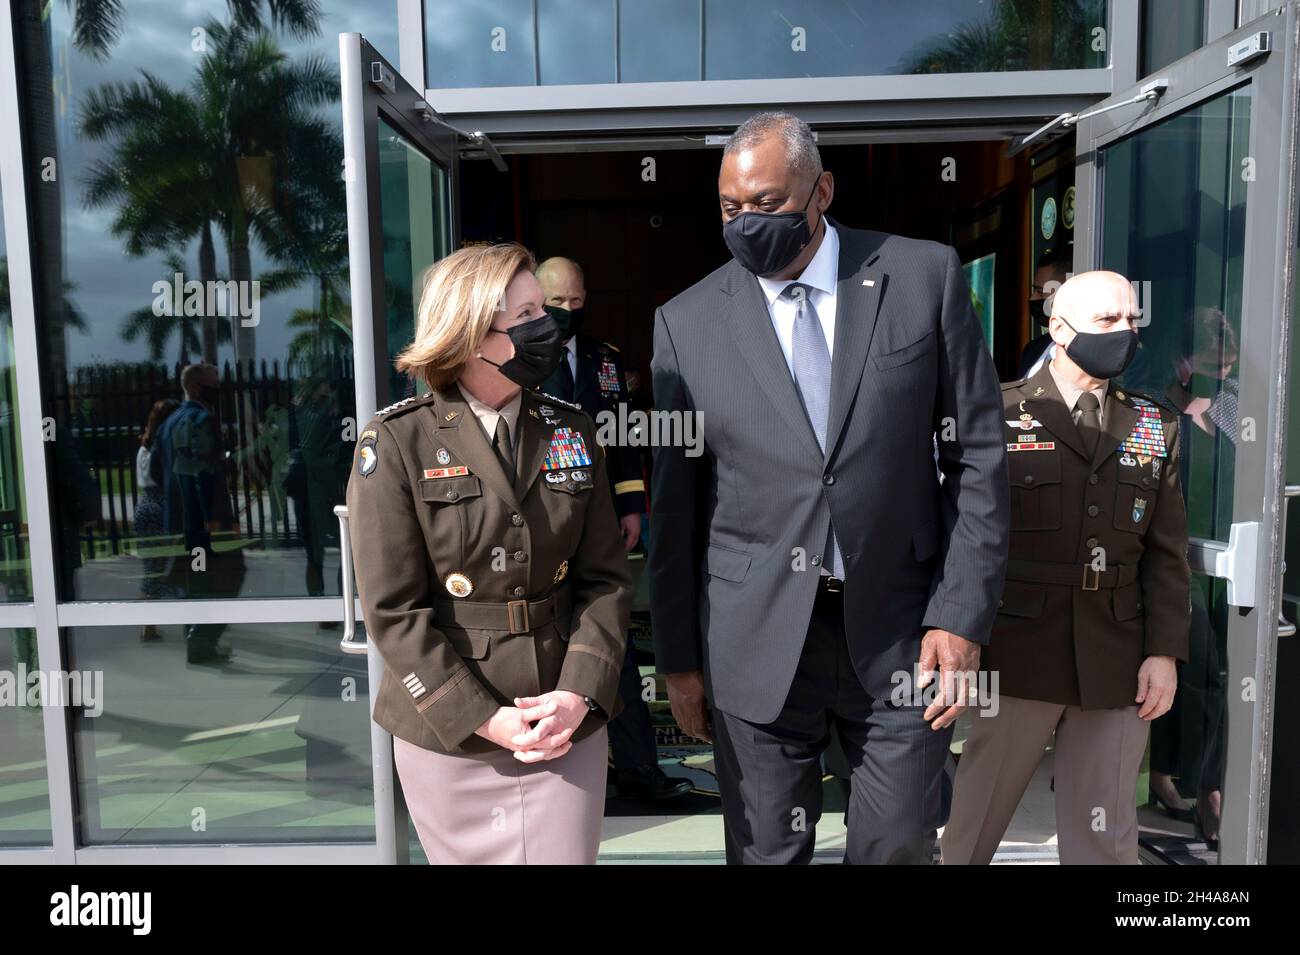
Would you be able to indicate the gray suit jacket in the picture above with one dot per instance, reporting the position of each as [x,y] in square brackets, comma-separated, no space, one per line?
[731,595]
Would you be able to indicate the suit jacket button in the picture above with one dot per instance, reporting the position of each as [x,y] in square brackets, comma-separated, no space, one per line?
[520,556]
[817,560]
[1029,479]
[1000,603]
[828,479]
[516,520]
[518,591]
[1093,510]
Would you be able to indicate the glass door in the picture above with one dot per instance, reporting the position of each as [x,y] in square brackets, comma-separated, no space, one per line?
[1187,186]
[400,168]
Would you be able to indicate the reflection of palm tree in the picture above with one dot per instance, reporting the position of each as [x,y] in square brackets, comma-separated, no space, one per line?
[1017,35]
[209,156]
[72,317]
[157,329]
[97,24]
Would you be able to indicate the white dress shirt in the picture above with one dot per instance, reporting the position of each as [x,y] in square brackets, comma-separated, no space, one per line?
[571,356]
[821,274]
[487,416]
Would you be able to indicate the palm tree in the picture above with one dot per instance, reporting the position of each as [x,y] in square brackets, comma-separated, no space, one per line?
[157,330]
[206,159]
[98,24]
[1016,35]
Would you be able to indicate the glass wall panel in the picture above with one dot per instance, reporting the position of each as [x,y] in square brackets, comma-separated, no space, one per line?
[188,212]
[475,43]
[24,793]
[271,744]
[1170,30]
[15,560]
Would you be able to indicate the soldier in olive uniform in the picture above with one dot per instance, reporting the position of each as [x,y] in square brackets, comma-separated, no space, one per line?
[492,577]
[590,374]
[1095,608]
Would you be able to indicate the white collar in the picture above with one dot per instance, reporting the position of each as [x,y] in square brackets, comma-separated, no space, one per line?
[821,273]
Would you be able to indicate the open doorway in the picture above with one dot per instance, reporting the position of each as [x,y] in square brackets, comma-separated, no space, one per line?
[644,225]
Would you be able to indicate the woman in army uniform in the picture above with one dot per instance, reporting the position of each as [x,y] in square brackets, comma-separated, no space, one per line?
[492,577]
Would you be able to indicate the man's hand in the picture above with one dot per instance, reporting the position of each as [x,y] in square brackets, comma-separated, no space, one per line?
[630,525]
[550,737]
[690,708]
[957,659]
[1157,684]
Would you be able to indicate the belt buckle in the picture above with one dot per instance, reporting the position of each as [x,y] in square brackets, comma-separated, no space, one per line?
[1096,577]
[517,610]
[833,584]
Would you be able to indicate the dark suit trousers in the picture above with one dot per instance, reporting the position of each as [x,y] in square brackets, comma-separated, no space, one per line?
[770,775]
[631,735]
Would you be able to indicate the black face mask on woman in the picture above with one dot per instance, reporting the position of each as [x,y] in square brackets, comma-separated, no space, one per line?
[1104,354]
[538,347]
[766,242]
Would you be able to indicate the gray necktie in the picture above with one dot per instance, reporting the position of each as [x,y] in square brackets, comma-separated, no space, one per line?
[812,376]
[501,445]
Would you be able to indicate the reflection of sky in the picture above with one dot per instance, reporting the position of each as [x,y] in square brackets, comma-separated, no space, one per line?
[108,284]
[660,38]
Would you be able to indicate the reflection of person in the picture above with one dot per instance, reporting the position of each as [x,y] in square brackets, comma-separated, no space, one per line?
[190,464]
[810,558]
[1205,391]
[149,509]
[315,473]
[1052,270]
[493,583]
[1212,362]
[590,373]
[1094,612]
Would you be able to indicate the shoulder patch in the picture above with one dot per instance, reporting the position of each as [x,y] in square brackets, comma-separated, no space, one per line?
[406,404]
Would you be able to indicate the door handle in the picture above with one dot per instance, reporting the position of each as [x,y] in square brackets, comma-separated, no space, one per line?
[1285,628]
[1233,561]
[349,643]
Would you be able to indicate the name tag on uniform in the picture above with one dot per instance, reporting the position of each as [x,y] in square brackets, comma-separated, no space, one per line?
[1033,446]
[458,471]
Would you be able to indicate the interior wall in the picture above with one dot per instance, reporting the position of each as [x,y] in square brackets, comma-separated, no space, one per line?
[645,226]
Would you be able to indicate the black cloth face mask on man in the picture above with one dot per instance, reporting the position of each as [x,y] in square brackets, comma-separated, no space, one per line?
[570,320]
[766,242]
[1102,355]
[538,347]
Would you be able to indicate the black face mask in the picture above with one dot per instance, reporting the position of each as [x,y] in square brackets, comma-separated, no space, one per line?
[1104,354]
[766,242]
[1037,313]
[570,320]
[538,347]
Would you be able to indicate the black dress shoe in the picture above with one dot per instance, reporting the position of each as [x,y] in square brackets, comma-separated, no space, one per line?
[653,784]
[210,655]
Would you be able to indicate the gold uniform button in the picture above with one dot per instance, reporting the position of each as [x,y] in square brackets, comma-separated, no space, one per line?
[518,591]
[1093,510]
[520,556]
[452,495]
[1029,479]
[516,520]
[1092,479]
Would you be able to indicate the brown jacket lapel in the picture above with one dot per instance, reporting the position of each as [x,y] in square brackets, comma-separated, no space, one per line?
[456,427]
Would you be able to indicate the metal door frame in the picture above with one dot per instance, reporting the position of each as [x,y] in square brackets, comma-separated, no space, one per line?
[1267,300]
[373,89]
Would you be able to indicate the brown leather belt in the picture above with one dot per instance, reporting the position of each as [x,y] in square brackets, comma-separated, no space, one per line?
[1082,576]
[511,616]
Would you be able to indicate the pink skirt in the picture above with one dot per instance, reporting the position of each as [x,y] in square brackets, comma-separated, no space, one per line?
[491,809]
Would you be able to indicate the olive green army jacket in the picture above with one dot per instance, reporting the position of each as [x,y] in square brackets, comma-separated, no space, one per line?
[475,587]
[1098,577]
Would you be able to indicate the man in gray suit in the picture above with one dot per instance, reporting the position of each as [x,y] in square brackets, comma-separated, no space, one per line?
[810,565]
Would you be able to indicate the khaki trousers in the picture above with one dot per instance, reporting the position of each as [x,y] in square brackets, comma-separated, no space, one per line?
[1098,754]
[491,809]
